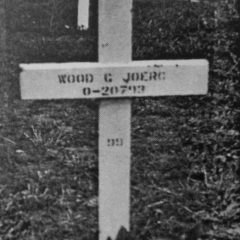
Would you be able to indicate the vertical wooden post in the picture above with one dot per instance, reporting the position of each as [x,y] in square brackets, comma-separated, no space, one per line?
[114,167]
[115,45]
[83,13]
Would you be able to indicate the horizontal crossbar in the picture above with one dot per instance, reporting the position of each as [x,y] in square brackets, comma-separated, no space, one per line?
[113,80]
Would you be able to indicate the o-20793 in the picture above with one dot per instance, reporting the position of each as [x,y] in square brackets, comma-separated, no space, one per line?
[115,90]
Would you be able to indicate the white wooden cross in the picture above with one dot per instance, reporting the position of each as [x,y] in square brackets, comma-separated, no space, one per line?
[114,80]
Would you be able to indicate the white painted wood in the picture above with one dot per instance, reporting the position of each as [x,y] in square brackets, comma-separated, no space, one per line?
[115,31]
[114,167]
[115,46]
[90,80]
[114,80]
[83,13]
